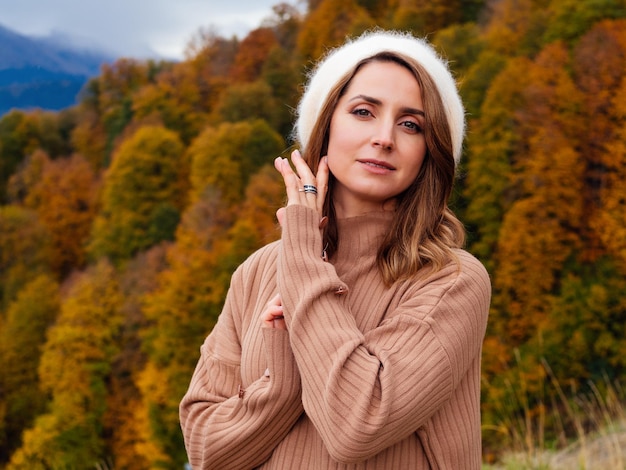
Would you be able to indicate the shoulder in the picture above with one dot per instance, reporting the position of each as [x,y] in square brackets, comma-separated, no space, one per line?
[461,267]
[462,284]
[471,270]
[262,261]
[466,274]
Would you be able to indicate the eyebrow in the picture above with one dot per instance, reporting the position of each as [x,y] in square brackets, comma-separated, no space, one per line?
[377,102]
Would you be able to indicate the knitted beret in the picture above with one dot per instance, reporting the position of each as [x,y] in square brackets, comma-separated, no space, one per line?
[342,60]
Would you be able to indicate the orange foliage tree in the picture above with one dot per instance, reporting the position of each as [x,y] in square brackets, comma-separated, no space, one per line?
[252,54]
[64,197]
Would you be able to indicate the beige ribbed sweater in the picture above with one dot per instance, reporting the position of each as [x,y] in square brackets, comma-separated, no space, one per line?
[366,377]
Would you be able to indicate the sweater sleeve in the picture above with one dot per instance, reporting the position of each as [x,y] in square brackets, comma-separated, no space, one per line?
[226,429]
[367,391]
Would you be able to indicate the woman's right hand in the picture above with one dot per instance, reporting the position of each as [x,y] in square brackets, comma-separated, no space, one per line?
[295,183]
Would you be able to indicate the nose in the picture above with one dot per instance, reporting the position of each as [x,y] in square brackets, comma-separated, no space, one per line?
[383,137]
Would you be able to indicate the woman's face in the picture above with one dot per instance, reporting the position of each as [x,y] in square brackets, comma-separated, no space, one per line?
[376,143]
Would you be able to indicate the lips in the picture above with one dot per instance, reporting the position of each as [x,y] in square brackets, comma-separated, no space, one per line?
[378,164]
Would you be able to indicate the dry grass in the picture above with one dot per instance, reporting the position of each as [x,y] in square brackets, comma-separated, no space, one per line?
[597,432]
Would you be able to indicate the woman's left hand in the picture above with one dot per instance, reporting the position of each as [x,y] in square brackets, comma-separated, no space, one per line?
[273,314]
[299,184]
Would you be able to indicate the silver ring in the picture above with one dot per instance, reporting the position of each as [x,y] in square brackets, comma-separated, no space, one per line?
[309,188]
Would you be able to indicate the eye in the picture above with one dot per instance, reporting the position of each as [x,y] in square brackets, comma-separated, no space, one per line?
[361,112]
[412,126]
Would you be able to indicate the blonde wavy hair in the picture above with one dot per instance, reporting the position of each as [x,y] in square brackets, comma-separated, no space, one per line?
[425,232]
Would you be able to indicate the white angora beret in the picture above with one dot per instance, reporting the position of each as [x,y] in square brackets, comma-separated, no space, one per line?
[342,60]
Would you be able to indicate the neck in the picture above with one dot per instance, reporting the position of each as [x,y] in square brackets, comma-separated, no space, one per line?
[358,207]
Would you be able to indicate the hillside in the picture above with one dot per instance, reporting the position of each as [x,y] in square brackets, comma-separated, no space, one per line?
[41,72]
[123,219]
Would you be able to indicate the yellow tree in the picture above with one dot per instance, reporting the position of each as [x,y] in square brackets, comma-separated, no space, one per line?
[110,96]
[173,99]
[74,370]
[89,138]
[509,27]
[180,312]
[329,24]
[492,144]
[210,245]
[424,17]
[225,157]
[21,338]
[143,194]
[25,250]
[124,431]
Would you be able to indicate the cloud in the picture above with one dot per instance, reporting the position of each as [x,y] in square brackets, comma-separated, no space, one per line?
[134,27]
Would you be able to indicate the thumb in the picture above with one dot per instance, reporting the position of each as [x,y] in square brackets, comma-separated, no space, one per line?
[280,215]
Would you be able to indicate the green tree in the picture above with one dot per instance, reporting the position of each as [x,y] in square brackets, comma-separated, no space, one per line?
[570,19]
[21,134]
[280,73]
[246,102]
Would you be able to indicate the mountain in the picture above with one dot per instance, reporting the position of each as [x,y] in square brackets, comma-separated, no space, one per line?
[43,72]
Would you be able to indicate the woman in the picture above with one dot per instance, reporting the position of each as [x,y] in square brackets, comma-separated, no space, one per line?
[355,340]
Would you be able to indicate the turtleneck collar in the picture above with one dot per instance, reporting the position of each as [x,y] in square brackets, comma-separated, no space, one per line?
[360,237]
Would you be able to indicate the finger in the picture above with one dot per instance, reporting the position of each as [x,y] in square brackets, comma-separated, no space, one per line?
[291,180]
[280,323]
[321,182]
[280,215]
[304,172]
[270,314]
[274,308]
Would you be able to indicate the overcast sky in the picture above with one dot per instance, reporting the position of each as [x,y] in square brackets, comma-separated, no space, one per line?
[135,28]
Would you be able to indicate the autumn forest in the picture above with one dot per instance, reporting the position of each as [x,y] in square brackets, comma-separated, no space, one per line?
[123,217]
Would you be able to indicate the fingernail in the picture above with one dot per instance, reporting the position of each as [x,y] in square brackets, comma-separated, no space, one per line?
[296,152]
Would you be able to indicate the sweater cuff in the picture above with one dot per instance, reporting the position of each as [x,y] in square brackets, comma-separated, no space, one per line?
[301,233]
[284,376]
